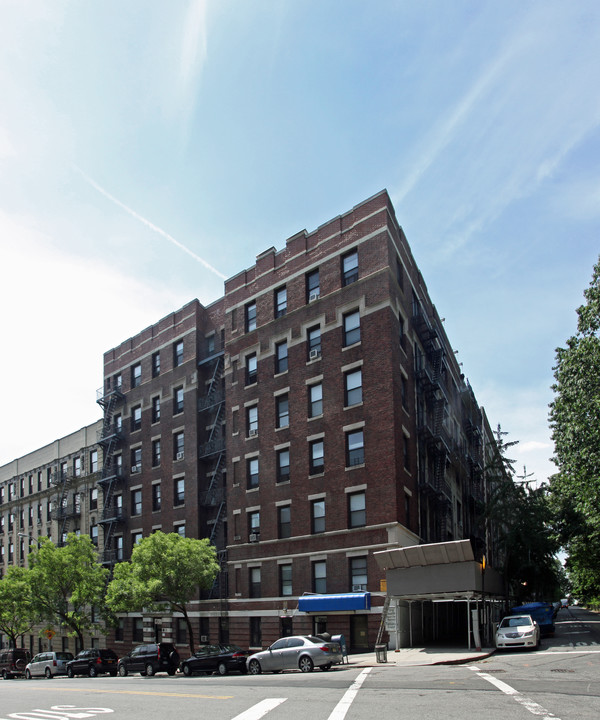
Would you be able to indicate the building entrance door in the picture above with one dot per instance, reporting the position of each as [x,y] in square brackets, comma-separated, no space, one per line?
[359,638]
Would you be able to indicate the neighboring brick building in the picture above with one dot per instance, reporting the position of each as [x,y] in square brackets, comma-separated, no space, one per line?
[48,493]
[313,415]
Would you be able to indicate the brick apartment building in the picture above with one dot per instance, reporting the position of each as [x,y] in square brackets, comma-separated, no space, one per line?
[312,416]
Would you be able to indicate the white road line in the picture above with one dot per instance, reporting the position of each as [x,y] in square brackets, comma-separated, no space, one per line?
[260,709]
[340,710]
[526,702]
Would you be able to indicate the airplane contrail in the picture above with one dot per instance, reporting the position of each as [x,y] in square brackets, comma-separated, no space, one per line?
[152,226]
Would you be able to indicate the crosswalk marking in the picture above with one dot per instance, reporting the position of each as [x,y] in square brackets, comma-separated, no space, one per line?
[260,709]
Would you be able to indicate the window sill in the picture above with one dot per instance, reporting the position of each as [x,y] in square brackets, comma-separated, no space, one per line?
[316,475]
[353,467]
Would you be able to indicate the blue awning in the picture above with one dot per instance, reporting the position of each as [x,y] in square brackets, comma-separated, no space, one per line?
[344,602]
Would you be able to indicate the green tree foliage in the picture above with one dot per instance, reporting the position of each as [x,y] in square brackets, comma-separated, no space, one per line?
[518,521]
[68,584]
[17,611]
[165,572]
[575,423]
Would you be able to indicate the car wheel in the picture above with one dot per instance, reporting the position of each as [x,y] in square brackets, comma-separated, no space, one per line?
[222,668]
[113,673]
[326,667]
[28,674]
[187,670]
[171,671]
[254,667]
[92,672]
[149,670]
[70,672]
[305,664]
[123,670]
[48,673]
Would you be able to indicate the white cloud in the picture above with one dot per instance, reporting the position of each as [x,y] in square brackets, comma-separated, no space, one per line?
[60,314]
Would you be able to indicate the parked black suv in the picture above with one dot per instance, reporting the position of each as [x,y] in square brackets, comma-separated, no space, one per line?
[13,662]
[149,659]
[93,662]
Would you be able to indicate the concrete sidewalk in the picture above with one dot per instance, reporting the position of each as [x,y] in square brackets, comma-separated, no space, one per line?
[420,656]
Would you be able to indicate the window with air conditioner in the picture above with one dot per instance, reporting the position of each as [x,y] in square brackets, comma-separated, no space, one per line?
[313,286]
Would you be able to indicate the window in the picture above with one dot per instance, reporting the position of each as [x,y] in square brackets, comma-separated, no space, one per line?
[252,472]
[357,516]
[349,268]
[317,457]
[93,466]
[353,387]
[156,497]
[178,446]
[77,468]
[250,316]
[138,630]
[136,460]
[319,577]
[281,357]
[155,364]
[118,381]
[283,465]
[178,353]
[404,392]
[180,529]
[181,632]
[280,302]
[351,328]
[252,420]
[94,534]
[355,448]
[315,400]
[406,453]
[285,580]
[401,333]
[314,343]
[251,369]
[399,274]
[155,409]
[177,400]
[313,287]
[284,521]
[136,537]
[136,418]
[156,452]
[283,411]
[136,375]
[210,344]
[120,628]
[119,547]
[255,582]
[136,502]
[179,492]
[358,574]
[94,499]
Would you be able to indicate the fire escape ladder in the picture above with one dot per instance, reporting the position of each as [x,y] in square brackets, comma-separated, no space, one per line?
[384,613]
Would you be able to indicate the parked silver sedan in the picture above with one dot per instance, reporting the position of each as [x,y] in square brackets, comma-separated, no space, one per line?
[296,652]
[518,631]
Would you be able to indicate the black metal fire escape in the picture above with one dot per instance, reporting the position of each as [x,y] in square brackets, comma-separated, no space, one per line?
[111,477]
[211,407]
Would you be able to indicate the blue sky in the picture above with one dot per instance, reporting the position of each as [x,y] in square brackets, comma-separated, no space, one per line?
[149,149]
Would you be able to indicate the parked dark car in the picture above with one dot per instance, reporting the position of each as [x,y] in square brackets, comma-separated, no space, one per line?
[149,659]
[215,658]
[13,662]
[93,662]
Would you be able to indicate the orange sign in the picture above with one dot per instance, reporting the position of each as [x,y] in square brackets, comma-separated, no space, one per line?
[49,634]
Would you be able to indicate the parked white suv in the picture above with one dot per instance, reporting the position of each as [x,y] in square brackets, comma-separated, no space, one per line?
[48,664]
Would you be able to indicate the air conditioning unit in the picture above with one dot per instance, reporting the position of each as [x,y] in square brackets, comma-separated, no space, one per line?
[314,354]
[203,638]
[313,296]
[136,468]
[179,456]
[237,537]
[253,537]
[253,433]
[359,588]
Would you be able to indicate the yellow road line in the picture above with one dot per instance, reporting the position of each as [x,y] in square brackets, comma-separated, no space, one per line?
[138,692]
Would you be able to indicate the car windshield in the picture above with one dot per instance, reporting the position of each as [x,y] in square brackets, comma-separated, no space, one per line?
[64,656]
[517,621]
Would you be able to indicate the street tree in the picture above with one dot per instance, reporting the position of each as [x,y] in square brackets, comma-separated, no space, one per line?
[575,423]
[17,610]
[69,584]
[165,573]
